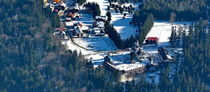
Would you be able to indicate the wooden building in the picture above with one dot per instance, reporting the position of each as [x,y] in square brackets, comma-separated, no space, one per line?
[152,40]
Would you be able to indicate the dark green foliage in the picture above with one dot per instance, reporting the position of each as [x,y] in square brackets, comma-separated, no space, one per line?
[192,75]
[108,14]
[188,10]
[94,7]
[33,60]
[121,10]
[139,18]
[198,42]
[129,42]
[114,36]
[146,27]
[145,22]
[80,2]
[125,1]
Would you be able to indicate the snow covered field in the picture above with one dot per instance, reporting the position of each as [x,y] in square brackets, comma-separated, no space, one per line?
[70,45]
[96,43]
[123,26]
[97,58]
[93,46]
[162,30]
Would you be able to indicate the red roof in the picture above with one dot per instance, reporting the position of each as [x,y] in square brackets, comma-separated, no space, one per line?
[152,38]
[61,29]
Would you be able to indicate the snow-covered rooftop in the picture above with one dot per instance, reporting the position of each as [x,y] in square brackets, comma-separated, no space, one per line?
[128,67]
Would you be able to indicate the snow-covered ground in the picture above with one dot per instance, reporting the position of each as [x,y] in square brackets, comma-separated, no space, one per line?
[122,26]
[95,47]
[70,45]
[97,58]
[162,30]
[96,43]
[104,43]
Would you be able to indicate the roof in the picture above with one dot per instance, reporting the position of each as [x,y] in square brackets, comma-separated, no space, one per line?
[101,18]
[57,1]
[153,38]
[61,29]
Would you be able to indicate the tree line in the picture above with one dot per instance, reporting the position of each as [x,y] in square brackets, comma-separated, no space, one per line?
[33,60]
[94,7]
[185,10]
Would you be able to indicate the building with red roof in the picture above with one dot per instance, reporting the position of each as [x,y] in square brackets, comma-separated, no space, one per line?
[152,40]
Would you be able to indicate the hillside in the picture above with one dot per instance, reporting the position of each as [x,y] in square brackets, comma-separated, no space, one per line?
[33,59]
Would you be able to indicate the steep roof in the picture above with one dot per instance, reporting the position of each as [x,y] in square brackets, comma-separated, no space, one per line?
[152,38]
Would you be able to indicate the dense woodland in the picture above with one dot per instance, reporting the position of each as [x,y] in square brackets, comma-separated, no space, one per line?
[182,10]
[185,10]
[33,60]
[80,2]
[94,7]
[170,10]
[125,1]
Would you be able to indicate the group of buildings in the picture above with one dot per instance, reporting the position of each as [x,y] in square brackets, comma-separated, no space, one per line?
[71,26]
[138,62]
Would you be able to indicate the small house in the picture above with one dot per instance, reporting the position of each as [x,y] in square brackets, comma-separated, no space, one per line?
[152,40]
[72,13]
